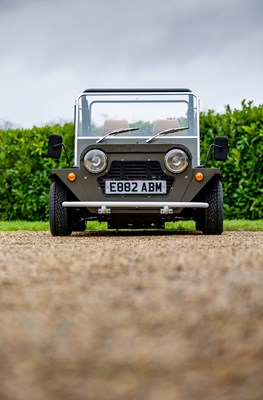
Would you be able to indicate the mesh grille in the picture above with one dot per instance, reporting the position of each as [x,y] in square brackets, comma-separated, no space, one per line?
[136,170]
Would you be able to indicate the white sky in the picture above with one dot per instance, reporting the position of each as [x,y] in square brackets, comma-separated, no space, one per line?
[51,50]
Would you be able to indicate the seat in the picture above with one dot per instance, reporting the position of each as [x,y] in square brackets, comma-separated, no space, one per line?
[114,124]
[163,124]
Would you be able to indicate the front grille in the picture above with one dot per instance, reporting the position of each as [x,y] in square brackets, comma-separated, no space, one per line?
[136,170]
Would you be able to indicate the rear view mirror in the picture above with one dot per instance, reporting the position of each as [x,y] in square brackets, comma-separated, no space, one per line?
[220,148]
[54,146]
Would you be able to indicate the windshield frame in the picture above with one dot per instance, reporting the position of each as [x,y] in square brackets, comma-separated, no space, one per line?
[109,96]
[106,95]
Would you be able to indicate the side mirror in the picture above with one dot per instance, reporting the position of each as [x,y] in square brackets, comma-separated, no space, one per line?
[54,146]
[220,148]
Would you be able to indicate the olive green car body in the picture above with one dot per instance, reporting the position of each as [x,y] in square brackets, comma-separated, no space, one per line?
[133,159]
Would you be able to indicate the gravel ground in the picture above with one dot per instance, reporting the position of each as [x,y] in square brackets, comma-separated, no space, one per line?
[145,316]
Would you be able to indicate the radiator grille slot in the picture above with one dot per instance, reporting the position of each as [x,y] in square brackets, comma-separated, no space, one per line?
[136,170]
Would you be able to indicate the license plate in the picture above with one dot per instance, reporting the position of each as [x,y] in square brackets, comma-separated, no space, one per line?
[135,187]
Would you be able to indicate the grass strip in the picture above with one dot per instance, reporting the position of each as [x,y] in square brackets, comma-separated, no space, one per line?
[23,226]
[243,225]
[229,225]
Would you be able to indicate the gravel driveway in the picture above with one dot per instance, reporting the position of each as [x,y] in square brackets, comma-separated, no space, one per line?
[100,315]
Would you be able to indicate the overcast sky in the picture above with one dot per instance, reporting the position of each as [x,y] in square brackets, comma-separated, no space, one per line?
[51,50]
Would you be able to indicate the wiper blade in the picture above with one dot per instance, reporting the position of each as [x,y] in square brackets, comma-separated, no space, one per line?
[166,132]
[116,132]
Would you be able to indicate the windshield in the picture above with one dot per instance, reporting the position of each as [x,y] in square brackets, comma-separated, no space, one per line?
[100,114]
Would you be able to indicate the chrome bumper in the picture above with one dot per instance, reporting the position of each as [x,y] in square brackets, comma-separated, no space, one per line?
[104,207]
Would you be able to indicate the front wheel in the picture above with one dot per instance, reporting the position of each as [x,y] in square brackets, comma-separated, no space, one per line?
[60,217]
[210,220]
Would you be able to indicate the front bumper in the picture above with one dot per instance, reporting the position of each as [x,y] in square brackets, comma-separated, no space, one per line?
[104,207]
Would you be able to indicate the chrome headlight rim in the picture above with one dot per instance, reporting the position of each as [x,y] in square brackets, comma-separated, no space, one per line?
[182,161]
[95,161]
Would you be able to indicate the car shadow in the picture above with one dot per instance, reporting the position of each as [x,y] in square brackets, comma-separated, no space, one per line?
[135,232]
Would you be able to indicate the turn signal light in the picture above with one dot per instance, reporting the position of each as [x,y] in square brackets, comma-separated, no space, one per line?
[199,176]
[72,177]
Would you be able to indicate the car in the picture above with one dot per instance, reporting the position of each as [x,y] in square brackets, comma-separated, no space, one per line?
[137,164]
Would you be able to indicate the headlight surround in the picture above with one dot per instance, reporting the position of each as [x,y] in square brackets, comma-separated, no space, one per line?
[176,161]
[95,161]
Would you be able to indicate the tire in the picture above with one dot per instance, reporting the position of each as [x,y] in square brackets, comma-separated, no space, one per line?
[210,220]
[59,217]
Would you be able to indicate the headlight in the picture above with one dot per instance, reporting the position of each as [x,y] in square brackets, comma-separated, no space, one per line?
[176,161]
[95,161]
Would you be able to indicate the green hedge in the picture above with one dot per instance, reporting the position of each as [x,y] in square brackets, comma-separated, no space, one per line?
[25,169]
[242,173]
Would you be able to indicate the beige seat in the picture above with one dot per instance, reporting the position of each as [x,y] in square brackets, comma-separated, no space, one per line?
[114,124]
[163,124]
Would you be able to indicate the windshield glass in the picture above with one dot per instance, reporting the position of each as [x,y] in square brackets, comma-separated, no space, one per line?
[98,114]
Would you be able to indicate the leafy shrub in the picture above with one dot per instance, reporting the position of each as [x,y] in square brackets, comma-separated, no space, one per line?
[25,168]
[243,170]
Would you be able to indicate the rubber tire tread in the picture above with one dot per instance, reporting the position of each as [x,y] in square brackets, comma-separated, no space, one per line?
[212,221]
[59,216]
